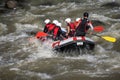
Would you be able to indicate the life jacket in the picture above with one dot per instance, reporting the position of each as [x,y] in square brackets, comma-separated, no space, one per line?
[72,29]
[76,23]
[46,27]
[82,27]
[55,32]
[72,26]
[51,28]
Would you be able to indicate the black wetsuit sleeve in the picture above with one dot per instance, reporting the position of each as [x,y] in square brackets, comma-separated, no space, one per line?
[45,29]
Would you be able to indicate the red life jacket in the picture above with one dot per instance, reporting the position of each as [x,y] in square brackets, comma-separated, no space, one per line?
[48,25]
[51,27]
[55,32]
[72,26]
[72,29]
[77,22]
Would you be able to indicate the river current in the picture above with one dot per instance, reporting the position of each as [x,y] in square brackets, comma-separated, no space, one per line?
[21,60]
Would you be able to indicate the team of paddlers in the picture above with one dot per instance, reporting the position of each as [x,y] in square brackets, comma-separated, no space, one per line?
[77,28]
[73,36]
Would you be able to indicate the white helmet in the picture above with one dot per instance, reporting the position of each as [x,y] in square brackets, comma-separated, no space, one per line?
[59,24]
[68,20]
[78,19]
[47,21]
[55,22]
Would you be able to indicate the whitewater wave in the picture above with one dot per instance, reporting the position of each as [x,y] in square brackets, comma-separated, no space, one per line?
[3,28]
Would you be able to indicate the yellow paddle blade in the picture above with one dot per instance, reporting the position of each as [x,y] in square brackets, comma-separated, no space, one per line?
[108,38]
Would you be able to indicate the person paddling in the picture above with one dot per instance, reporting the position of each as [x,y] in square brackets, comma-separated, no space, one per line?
[52,26]
[70,27]
[83,26]
[47,25]
[58,33]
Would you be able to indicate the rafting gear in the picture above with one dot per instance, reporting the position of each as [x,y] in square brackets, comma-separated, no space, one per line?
[68,20]
[47,21]
[85,14]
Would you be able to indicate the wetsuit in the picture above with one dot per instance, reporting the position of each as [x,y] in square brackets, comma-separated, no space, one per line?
[83,26]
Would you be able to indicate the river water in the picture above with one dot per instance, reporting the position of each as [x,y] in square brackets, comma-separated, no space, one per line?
[21,60]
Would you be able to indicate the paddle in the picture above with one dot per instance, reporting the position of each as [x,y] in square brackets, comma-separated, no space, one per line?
[98,28]
[107,38]
[41,34]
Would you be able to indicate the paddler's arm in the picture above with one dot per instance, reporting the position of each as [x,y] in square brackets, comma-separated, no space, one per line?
[68,30]
[91,27]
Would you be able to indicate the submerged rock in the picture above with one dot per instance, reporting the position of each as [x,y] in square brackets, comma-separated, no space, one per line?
[16,3]
[97,22]
[111,4]
[115,16]
[11,4]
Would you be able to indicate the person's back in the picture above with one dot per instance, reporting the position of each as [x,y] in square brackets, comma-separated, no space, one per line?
[83,26]
[50,29]
[58,35]
[81,29]
[70,27]
[47,25]
[52,26]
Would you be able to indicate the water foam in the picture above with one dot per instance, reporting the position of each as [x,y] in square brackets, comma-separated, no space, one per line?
[12,37]
[3,28]
[103,18]
[41,75]
[25,27]
[41,50]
